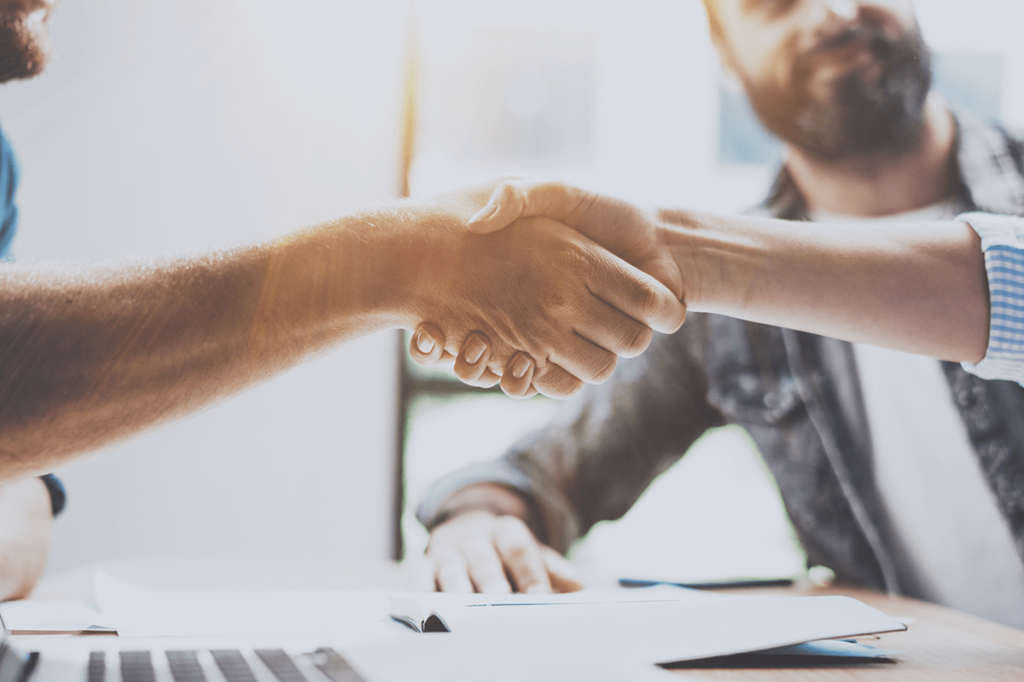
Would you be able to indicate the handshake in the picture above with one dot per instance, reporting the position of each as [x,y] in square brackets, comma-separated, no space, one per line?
[595,279]
[552,283]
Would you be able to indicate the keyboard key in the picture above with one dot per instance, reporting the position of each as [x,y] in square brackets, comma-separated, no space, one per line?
[232,665]
[334,667]
[137,666]
[185,666]
[281,664]
[97,670]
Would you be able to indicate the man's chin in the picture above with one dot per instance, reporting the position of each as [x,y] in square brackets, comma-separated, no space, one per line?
[24,46]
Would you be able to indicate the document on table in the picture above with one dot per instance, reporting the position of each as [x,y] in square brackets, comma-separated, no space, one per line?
[140,612]
[39,616]
[660,630]
[655,625]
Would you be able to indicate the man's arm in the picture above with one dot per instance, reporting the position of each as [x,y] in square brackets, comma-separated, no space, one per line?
[513,516]
[89,355]
[920,288]
[25,535]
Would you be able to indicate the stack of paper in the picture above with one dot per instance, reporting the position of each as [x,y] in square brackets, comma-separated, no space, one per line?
[658,626]
[650,625]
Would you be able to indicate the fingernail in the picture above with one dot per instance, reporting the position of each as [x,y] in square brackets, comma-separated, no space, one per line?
[475,348]
[520,366]
[484,213]
[424,343]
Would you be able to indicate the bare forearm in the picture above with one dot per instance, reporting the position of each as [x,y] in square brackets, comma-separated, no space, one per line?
[920,288]
[92,355]
[25,536]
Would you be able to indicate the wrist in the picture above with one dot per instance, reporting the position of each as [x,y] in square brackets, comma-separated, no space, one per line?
[686,238]
[490,498]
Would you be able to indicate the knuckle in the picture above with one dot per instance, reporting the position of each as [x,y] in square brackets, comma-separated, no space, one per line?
[606,369]
[513,192]
[558,384]
[518,554]
[646,299]
[639,338]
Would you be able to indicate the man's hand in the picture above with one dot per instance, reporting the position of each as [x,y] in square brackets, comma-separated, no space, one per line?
[617,226]
[548,300]
[624,229]
[497,554]
[25,536]
[427,348]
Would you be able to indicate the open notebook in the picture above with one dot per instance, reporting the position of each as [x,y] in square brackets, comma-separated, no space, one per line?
[648,625]
[107,658]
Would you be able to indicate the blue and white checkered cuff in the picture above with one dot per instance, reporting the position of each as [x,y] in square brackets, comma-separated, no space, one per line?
[1002,240]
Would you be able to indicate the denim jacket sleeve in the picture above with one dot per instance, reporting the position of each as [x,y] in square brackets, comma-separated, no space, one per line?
[606,445]
[1002,240]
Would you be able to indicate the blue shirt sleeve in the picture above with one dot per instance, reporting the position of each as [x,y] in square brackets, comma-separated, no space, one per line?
[8,209]
[1002,241]
[58,496]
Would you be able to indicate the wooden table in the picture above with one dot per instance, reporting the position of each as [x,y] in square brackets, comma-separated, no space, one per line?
[940,644]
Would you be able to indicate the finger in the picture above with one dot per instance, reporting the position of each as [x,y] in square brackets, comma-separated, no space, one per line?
[554,382]
[516,199]
[517,377]
[471,364]
[485,569]
[583,358]
[635,293]
[426,345]
[486,380]
[452,572]
[611,329]
[520,553]
[563,575]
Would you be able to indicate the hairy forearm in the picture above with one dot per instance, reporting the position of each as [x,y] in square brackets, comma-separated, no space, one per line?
[920,288]
[25,536]
[90,355]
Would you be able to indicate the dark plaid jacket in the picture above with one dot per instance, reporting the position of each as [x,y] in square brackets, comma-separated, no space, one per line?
[797,394]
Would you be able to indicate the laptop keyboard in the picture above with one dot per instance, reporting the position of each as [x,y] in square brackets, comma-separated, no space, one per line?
[232,664]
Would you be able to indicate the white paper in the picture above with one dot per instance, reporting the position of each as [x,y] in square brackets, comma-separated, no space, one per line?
[417,606]
[654,626]
[139,612]
[672,630]
[39,615]
[450,658]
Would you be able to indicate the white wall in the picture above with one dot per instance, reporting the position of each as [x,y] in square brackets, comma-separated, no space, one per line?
[188,124]
[185,124]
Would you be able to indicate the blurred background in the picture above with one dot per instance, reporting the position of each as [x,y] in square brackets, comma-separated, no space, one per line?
[177,126]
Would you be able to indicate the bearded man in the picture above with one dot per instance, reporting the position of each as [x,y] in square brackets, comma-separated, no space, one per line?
[898,471]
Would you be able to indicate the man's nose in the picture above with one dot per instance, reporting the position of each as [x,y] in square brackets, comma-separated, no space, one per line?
[841,9]
[831,17]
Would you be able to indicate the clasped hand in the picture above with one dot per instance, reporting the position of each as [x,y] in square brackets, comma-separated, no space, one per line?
[601,302]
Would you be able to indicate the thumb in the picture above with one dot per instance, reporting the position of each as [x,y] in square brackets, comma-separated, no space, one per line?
[515,199]
[563,575]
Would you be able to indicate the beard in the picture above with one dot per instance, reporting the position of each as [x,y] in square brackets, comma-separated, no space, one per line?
[863,116]
[24,49]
